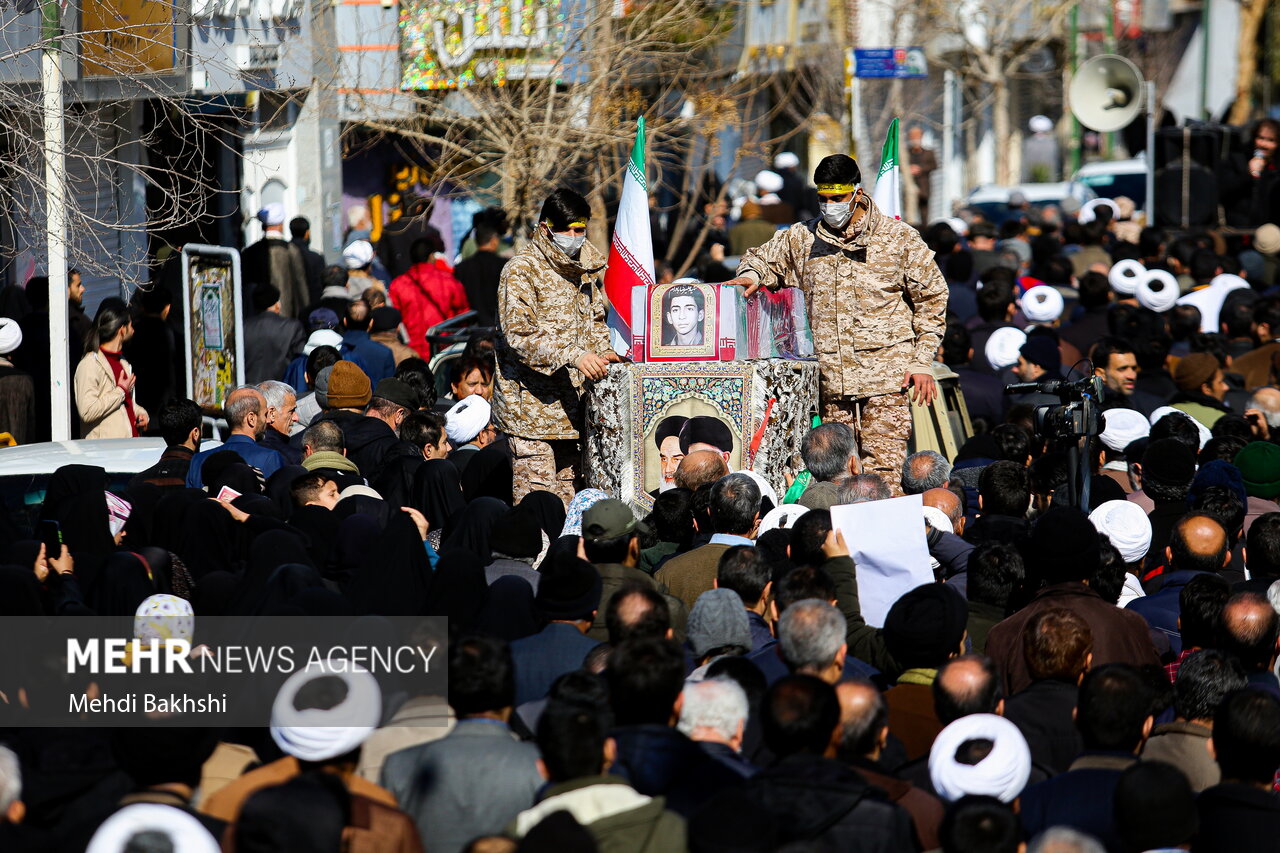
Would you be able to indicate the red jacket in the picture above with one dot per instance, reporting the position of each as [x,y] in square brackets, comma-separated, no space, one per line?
[426,296]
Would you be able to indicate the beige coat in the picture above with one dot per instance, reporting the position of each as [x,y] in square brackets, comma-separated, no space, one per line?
[100,401]
[877,301]
[551,312]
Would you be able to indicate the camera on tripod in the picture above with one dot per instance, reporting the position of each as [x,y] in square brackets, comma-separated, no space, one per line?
[1076,417]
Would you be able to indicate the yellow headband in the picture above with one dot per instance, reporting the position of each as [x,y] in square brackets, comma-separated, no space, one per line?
[578,224]
[837,188]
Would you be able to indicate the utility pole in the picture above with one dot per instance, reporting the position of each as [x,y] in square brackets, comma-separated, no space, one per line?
[55,178]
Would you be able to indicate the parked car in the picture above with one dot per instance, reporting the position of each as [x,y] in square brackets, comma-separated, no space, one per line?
[25,470]
[1115,178]
[992,201]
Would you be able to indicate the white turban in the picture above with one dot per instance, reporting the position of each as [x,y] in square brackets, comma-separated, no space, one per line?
[768,182]
[766,490]
[1209,300]
[318,735]
[272,214]
[468,417]
[784,516]
[1088,210]
[1127,526]
[1126,275]
[1122,426]
[358,254]
[786,160]
[322,338]
[1003,346]
[187,834]
[10,335]
[1040,124]
[1159,413]
[1002,774]
[1042,304]
[1158,290]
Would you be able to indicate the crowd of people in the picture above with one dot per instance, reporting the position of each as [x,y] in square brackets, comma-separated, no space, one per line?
[1076,678]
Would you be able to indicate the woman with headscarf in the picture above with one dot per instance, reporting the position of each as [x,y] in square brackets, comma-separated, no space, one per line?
[126,580]
[286,583]
[472,529]
[356,537]
[548,509]
[269,551]
[279,487]
[214,594]
[76,499]
[211,540]
[509,613]
[458,590]
[489,474]
[437,494]
[19,592]
[169,520]
[395,576]
[581,502]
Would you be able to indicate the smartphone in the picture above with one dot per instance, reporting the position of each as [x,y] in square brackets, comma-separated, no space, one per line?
[50,533]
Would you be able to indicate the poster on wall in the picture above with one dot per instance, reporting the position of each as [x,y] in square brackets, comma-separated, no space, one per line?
[214,317]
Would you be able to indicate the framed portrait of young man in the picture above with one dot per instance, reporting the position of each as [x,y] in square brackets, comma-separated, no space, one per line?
[683,321]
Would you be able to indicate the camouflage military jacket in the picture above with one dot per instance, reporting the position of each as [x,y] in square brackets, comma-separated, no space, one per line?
[551,313]
[877,301]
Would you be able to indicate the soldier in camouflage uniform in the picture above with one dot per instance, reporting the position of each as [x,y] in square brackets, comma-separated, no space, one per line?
[553,338]
[877,306]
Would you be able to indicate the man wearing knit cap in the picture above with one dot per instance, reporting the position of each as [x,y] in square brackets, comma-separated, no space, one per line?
[1259,464]
[568,597]
[469,427]
[276,261]
[611,541]
[1038,361]
[923,630]
[877,305]
[1201,388]
[718,626]
[17,391]
[1064,548]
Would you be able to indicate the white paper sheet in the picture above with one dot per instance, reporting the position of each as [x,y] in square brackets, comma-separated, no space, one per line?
[887,541]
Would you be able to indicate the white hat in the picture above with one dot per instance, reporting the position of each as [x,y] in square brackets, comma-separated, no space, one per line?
[10,335]
[1002,774]
[186,834]
[1040,124]
[1126,525]
[1158,290]
[1159,413]
[768,182]
[786,160]
[467,419]
[272,214]
[766,490]
[318,735]
[358,489]
[322,338]
[1088,210]
[1122,427]
[1126,275]
[784,516]
[938,519]
[1003,347]
[1209,300]
[1042,304]
[358,254]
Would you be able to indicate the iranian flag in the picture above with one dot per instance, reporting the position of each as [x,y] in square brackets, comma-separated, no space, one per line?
[888,191]
[631,253]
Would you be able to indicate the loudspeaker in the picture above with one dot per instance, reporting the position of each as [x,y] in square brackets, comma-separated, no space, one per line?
[1186,196]
[1106,93]
[1205,144]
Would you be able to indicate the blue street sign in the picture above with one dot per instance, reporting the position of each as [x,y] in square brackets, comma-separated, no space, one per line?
[890,62]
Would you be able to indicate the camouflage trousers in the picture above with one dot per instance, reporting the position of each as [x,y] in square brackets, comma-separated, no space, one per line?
[882,425]
[552,466]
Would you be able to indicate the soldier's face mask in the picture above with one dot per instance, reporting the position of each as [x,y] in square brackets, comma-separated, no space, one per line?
[571,240]
[837,213]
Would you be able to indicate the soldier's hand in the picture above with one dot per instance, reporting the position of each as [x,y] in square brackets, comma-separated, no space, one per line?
[924,389]
[593,366]
[750,285]
[613,358]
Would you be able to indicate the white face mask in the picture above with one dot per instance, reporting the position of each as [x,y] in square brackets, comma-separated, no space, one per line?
[836,213]
[570,244]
